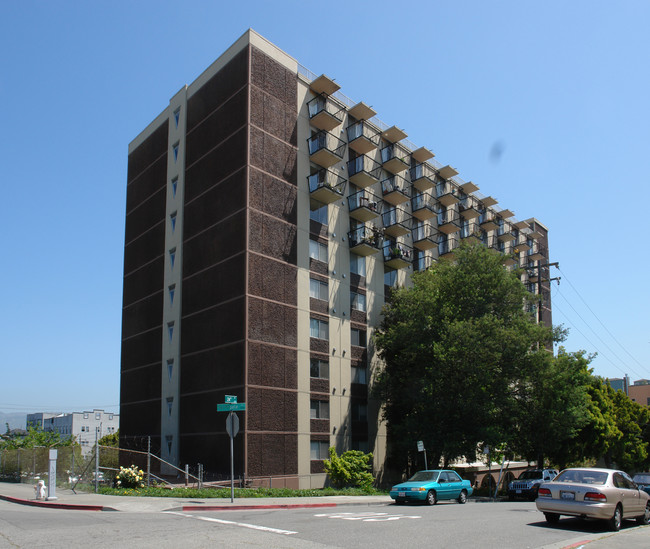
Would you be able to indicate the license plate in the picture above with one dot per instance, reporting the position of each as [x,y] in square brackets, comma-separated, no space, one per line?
[519,491]
[567,495]
[401,494]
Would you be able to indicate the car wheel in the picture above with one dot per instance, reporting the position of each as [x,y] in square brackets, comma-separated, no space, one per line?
[645,518]
[615,522]
[552,518]
[463,497]
[431,497]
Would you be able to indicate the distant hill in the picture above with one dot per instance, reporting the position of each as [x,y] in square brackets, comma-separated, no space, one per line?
[15,420]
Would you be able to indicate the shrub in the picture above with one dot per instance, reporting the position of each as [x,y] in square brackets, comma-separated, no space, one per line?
[129,477]
[351,468]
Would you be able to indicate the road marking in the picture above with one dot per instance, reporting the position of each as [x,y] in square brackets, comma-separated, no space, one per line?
[366,517]
[232,523]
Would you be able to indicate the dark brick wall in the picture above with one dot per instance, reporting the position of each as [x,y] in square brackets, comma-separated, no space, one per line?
[214,265]
[272,420]
[142,298]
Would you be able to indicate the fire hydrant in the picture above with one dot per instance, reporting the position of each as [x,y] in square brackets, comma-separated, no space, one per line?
[40,490]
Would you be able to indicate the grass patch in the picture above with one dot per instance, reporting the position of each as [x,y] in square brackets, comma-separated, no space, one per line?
[204,493]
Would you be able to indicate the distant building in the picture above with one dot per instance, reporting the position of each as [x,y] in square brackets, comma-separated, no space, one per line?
[81,425]
[640,392]
[620,384]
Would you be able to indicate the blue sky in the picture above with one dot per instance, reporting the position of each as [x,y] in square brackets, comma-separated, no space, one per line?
[560,87]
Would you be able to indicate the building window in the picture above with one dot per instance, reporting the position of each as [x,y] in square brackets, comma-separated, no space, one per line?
[358,337]
[172,219]
[170,368]
[357,302]
[172,257]
[359,375]
[170,331]
[317,251]
[110,417]
[358,264]
[98,416]
[319,450]
[174,186]
[169,439]
[319,215]
[390,278]
[319,369]
[175,149]
[177,115]
[360,444]
[85,415]
[170,404]
[359,411]
[319,409]
[318,289]
[319,329]
[172,290]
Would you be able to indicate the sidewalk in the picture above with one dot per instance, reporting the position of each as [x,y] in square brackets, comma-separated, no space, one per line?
[66,499]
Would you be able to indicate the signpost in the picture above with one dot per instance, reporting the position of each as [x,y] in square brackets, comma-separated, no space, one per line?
[232,428]
[421,449]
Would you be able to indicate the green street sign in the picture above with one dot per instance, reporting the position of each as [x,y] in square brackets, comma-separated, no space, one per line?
[231,407]
[230,399]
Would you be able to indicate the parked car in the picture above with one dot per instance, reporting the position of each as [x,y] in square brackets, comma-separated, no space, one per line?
[643,481]
[605,494]
[528,483]
[432,486]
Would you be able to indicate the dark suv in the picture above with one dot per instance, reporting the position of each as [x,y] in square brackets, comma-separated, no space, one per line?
[527,485]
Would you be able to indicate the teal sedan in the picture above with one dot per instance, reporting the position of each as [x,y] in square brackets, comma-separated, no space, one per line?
[432,486]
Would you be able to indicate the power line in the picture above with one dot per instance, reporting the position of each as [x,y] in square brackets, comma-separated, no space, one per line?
[598,319]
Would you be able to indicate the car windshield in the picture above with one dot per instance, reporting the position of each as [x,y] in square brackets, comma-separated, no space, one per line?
[527,475]
[582,477]
[642,479]
[422,476]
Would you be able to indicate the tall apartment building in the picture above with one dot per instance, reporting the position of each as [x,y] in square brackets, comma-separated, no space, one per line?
[267,217]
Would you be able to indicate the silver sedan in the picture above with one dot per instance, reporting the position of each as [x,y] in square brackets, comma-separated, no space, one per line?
[604,494]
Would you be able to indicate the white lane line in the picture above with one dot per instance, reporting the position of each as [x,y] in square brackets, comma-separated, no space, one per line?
[232,523]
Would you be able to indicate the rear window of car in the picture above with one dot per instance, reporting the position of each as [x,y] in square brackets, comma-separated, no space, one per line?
[582,477]
[422,476]
[528,475]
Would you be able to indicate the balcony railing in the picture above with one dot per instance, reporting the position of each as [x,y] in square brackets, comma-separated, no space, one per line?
[324,113]
[396,158]
[469,207]
[325,149]
[505,233]
[447,194]
[397,222]
[326,186]
[395,190]
[365,240]
[423,177]
[424,206]
[425,236]
[471,231]
[364,205]
[487,220]
[363,171]
[447,246]
[448,221]
[362,137]
[422,263]
[397,256]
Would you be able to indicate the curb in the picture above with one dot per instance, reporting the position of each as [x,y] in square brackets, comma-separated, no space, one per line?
[253,507]
[68,506]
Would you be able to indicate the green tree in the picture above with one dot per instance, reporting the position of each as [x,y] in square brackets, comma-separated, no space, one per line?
[112,440]
[454,344]
[36,437]
[629,451]
[350,469]
[551,406]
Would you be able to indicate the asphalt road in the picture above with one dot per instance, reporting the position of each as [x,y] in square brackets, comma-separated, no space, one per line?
[503,525]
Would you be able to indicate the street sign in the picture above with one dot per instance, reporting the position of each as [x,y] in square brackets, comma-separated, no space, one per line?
[231,407]
[231,399]
[420,446]
[232,424]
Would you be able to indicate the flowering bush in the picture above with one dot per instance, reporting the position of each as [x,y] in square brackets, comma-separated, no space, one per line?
[129,477]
